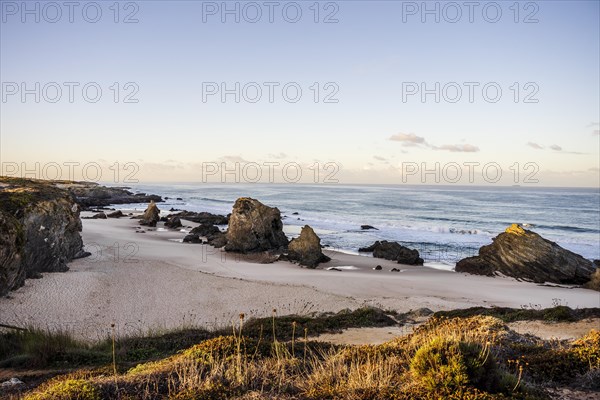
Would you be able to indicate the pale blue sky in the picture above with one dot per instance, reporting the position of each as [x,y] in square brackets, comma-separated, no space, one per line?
[369,53]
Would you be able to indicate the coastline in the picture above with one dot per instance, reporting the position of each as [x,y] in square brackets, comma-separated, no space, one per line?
[155,282]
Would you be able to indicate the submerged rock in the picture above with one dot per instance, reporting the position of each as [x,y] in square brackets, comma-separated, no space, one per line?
[151,215]
[394,251]
[524,254]
[254,227]
[39,230]
[306,249]
[368,227]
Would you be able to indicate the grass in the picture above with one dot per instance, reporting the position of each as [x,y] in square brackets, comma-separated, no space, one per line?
[466,357]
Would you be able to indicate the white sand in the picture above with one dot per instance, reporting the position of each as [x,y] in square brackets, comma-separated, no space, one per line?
[156,282]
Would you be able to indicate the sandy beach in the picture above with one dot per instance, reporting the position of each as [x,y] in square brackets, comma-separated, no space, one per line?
[150,281]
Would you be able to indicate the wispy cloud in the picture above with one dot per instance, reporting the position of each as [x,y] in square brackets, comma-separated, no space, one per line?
[457,148]
[408,139]
[535,146]
[412,140]
[278,156]
[556,147]
[380,158]
[238,158]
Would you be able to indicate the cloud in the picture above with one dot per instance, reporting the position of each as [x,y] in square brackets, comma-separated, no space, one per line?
[458,148]
[556,147]
[278,156]
[535,146]
[379,158]
[408,139]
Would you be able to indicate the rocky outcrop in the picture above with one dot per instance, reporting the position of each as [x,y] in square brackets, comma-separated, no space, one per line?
[254,227]
[203,218]
[395,252]
[173,222]
[368,227]
[39,230]
[212,233]
[151,216]
[91,194]
[306,249]
[524,254]
[115,214]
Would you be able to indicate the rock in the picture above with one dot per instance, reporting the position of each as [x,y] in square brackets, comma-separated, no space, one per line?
[151,215]
[295,213]
[367,227]
[254,227]
[203,218]
[179,198]
[394,270]
[378,268]
[206,230]
[115,214]
[218,240]
[11,382]
[395,252]
[306,249]
[191,238]
[39,230]
[421,312]
[594,282]
[173,222]
[524,254]
[100,215]
[91,194]
[333,269]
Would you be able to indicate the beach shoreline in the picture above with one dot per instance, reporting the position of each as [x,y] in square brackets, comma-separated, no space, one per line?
[144,282]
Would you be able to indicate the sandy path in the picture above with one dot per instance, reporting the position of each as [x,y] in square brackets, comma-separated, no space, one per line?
[155,282]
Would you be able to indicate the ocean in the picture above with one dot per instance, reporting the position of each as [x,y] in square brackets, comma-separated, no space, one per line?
[445,223]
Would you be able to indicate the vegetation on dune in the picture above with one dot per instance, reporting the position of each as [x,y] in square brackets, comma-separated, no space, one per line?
[475,357]
[559,313]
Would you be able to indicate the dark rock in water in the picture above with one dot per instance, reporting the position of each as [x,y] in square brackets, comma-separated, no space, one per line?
[39,230]
[179,198]
[151,215]
[306,249]
[524,254]
[91,194]
[378,268]
[191,238]
[367,227]
[333,269]
[115,214]
[295,213]
[173,222]
[394,270]
[203,217]
[254,227]
[100,215]
[395,252]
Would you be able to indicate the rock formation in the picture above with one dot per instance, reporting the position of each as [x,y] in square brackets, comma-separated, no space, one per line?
[306,249]
[91,194]
[151,215]
[254,227]
[39,230]
[173,222]
[524,254]
[395,252]
[203,217]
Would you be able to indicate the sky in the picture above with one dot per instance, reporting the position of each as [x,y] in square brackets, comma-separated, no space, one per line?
[385,92]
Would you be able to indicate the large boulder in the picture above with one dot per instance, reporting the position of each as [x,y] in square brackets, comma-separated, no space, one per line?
[203,217]
[254,227]
[395,252]
[524,254]
[151,215]
[306,249]
[39,230]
